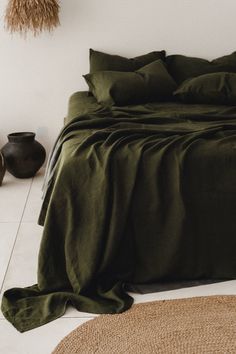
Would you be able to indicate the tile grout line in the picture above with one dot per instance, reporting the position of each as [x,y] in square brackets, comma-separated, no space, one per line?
[17,231]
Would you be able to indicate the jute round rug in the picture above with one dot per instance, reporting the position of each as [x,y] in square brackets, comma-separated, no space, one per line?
[188,326]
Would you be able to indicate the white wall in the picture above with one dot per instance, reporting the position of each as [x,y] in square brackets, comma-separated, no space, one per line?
[37,75]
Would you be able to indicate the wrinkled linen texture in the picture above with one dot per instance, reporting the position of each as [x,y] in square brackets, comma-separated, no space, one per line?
[134,195]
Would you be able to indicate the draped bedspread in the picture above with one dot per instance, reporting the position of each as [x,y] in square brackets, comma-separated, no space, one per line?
[133,196]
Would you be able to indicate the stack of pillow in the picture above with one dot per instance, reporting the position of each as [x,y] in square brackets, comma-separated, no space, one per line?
[155,77]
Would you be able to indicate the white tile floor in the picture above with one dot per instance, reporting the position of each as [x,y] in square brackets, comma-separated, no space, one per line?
[20,201]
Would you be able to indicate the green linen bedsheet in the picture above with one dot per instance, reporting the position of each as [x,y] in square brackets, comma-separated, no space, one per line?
[134,195]
[83,102]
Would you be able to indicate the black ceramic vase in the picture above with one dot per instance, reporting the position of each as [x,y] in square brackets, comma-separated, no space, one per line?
[23,154]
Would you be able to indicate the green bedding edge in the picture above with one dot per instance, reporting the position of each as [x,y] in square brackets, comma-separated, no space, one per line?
[81,102]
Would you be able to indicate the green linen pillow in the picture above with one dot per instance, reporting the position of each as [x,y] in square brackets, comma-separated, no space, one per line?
[150,83]
[183,67]
[214,88]
[100,61]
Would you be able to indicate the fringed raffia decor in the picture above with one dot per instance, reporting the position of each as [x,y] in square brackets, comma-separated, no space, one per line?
[32,15]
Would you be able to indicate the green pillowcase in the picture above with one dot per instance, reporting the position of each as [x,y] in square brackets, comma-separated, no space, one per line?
[183,67]
[150,83]
[214,88]
[103,62]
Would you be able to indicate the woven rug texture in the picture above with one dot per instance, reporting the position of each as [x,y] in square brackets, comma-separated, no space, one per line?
[200,325]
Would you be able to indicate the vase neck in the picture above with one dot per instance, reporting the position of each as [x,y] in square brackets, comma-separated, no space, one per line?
[21,137]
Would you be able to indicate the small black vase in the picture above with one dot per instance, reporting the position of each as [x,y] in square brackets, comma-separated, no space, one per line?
[23,154]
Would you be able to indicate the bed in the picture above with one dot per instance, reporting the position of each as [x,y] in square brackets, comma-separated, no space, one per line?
[135,195]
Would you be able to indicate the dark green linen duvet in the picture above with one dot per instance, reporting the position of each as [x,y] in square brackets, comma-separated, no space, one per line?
[135,195]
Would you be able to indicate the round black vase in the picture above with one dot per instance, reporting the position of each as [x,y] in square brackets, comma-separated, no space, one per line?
[23,154]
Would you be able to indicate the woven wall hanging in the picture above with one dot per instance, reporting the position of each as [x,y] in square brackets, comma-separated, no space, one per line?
[32,15]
